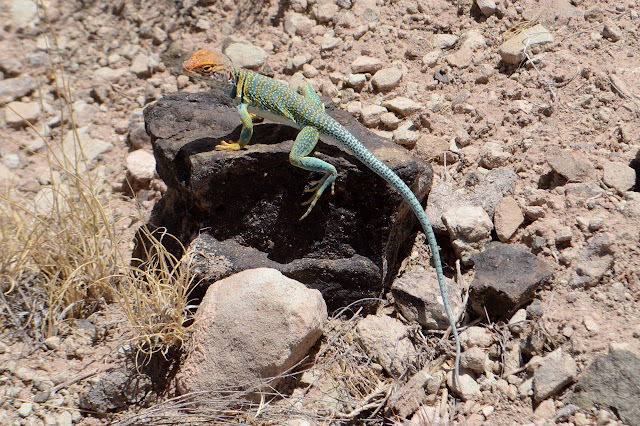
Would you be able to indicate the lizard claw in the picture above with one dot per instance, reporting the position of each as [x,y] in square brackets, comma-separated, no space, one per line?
[228,146]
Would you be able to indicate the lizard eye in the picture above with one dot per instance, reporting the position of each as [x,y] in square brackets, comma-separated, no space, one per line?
[207,68]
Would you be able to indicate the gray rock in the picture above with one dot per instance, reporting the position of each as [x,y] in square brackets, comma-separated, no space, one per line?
[611,382]
[387,341]
[512,50]
[246,55]
[618,176]
[330,41]
[418,298]
[116,390]
[507,218]
[555,371]
[612,31]
[507,277]
[469,228]
[81,148]
[594,262]
[249,328]
[487,7]
[10,64]
[15,88]
[572,165]
[19,114]
[138,137]
[364,64]
[387,79]
[349,238]
[357,81]
[474,359]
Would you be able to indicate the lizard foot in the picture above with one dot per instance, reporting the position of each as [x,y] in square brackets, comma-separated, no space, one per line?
[318,188]
[228,146]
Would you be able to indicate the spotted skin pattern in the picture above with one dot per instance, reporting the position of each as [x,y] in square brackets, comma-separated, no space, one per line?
[256,94]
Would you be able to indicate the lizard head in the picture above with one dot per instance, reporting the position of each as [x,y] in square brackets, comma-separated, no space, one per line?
[214,68]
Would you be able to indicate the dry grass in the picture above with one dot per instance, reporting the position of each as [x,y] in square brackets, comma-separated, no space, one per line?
[155,294]
[60,257]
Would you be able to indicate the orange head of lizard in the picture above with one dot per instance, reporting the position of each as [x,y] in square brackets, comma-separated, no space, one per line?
[214,68]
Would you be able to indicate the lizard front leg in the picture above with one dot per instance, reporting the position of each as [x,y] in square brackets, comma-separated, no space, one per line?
[245,134]
[302,147]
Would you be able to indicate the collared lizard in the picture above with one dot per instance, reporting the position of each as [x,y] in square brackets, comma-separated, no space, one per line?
[265,97]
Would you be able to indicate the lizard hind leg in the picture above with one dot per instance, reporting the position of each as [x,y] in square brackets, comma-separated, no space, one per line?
[299,157]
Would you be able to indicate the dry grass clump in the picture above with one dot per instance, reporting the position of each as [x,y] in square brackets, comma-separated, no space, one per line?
[60,256]
[154,295]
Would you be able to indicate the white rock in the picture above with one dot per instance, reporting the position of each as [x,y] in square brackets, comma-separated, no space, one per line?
[403,106]
[386,340]
[618,176]
[64,419]
[405,136]
[141,168]
[364,64]
[140,65]
[25,409]
[493,156]
[24,12]
[17,114]
[370,114]
[469,228]
[12,161]
[476,336]
[387,79]
[246,55]
[356,81]
[466,387]
[249,327]
[325,12]
[444,41]
[512,50]
[297,24]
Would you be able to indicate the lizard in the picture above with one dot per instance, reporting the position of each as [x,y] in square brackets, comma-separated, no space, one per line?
[256,94]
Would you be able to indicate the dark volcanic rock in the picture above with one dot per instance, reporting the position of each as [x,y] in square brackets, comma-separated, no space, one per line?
[611,382]
[242,208]
[507,276]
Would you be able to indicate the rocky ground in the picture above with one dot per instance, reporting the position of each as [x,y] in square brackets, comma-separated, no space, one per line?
[529,113]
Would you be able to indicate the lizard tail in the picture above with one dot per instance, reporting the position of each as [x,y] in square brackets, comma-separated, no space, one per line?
[356,148]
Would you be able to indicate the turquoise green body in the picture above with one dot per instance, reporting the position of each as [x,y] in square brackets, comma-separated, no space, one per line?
[271,99]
